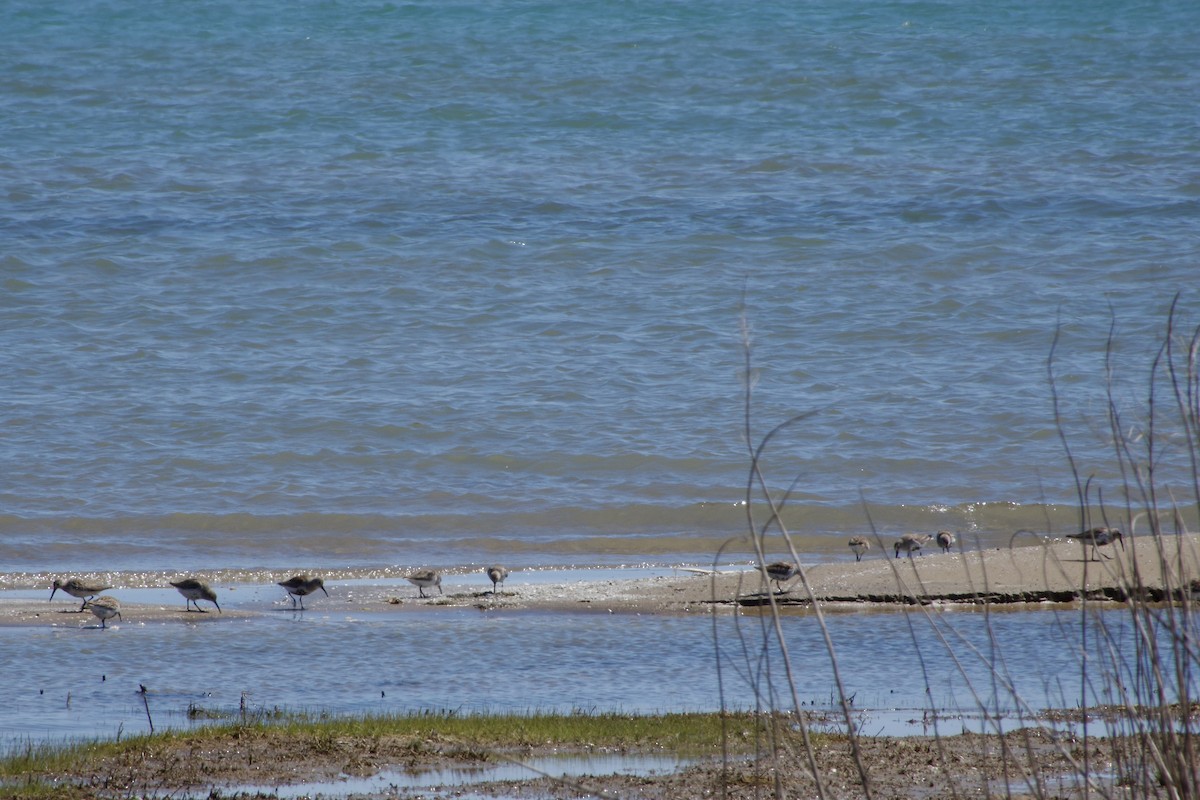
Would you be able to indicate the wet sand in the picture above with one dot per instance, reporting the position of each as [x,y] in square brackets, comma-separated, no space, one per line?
[1029,574]
[1055,571]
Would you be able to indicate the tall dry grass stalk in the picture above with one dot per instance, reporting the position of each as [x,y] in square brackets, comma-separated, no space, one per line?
[766,650]
[1148,694]
[1131,731]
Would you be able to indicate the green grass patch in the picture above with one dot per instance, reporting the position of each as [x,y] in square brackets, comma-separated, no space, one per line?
[675,732]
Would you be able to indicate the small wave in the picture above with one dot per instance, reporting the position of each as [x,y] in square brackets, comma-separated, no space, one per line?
[698,533]
[729,517]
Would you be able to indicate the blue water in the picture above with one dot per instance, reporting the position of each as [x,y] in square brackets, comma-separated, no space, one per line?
[384,275]
[75,679]
[350,284]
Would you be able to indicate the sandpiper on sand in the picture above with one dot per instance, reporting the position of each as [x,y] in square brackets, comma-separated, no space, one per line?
[1098,537]
[910,542]
[301,585]
[426,578]
[780,572]
[860,545]
[105,608]
[496,574]
[194,591]
[945,540]
[77,588]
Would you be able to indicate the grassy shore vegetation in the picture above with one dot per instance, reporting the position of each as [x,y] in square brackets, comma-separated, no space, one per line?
[1134,730]
[222,754]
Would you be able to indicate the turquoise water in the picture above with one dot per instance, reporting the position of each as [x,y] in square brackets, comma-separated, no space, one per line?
[351,284]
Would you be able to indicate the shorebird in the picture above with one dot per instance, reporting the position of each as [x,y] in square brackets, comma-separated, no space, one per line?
[300,586]
[945,540]
[780,571]
[496,574]
[910,542]
[77,588]
[1097,538]
[105,608]
[860,545]
[194,591]
[426,578]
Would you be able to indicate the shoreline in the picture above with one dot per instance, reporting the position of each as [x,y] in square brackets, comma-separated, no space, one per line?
[332,758]
[1020,577]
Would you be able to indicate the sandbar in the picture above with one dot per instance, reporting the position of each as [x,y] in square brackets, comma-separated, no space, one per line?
[1028,575]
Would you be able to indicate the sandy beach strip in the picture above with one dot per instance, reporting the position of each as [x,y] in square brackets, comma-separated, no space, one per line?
[1048,572]
[1042,573]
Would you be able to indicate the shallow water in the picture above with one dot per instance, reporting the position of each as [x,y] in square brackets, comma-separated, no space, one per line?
[900,668]
[442,781]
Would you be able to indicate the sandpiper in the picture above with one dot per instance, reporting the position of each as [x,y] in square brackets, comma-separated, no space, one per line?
[780,571]
[496,574]
[425,578]
[195,591]
[860,545]
[910,542]
[77,588]
[945,540]
[1098,537]
[105,608]
[302,585]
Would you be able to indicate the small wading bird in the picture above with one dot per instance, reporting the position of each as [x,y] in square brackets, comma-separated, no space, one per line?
[860,545]
[910,542]
[780,572]
[194,591]
[1097,538]
[496,574]
[302,585]
[945,540]
[105,608]
[426,578]
[77,588]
